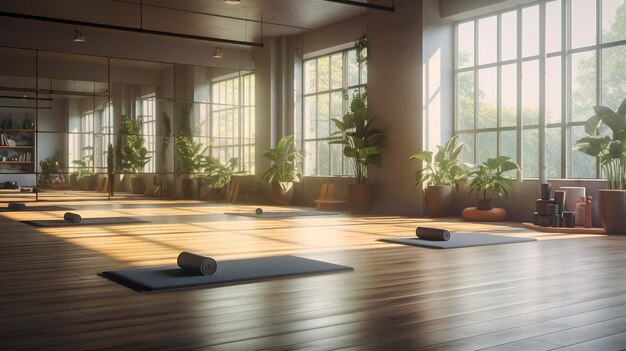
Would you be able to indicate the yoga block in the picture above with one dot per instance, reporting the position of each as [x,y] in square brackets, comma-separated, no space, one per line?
[496,214]
[536,218]
[546,190]
[546,207]
[569,219]
[545,221]
[555,220]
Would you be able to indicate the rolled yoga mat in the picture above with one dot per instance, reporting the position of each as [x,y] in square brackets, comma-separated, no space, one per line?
[433,234]
[16,206]
[196,264]
[72,217]
[259,211]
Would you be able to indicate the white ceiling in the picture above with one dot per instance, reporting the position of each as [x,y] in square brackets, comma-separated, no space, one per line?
[249,21]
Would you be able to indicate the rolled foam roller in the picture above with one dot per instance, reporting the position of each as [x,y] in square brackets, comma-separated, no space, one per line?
[196,264]
[72,217]
[433,234]
[17,206]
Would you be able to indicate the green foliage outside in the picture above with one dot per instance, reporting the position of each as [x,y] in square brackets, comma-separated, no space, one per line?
[133,154]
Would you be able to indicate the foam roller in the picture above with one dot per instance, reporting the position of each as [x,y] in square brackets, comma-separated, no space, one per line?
[259,211]
[196,264]
[72,217]
[433,234]
[16,206]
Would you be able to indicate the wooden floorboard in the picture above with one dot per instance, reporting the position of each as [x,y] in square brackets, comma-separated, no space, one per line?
[563,291]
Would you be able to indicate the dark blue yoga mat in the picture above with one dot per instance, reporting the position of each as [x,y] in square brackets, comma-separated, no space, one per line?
[228,272]
[460,239]
[282,214]
[84,221]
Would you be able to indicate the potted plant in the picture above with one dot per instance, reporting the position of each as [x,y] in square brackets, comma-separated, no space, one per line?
[221,174]
[362,144]
[80,179]
[440,172]
[284,170]
[488,178]
[190,162]
[609,149]
[134,156]
[47,167]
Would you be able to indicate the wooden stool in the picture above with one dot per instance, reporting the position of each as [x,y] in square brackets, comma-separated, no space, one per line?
[496,214]
[327,197]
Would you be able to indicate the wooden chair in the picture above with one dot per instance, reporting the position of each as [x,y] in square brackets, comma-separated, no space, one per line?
[327,197]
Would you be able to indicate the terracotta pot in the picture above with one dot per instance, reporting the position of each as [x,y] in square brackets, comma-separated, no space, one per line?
[360,198]
[438,200]
[612,207]
[137,185]
[282,193]
[484,204]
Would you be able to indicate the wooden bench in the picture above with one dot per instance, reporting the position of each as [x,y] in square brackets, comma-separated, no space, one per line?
[327,197]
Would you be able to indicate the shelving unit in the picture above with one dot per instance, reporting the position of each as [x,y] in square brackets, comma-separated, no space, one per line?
[17,158]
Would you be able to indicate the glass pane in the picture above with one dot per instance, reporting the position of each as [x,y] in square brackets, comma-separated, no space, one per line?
[336,71]
[465,108]
[530,92]
[553,152]
[581,165]
[467,155]
[583,85]
[310,71]
[465,38]
[553,26]
[323,122]
[310,151]
[553,90]
[487,40]
[530,152]
[310,111]
[364,74]
[508,44]
[323,73]
[487,97]
[613,20]
[530,31]
[353,69]
[614,75]
[336,161]
[323,158]
[508,97]
[508,147]
[487,146]
[583,16]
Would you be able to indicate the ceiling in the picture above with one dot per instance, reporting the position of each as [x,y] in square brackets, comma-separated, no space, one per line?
[250,21]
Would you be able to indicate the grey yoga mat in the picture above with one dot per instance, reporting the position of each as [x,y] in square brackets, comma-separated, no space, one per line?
[228,272]
[84,221]
[460,239]
[35,208]
[281,214]
[196,264]
[434,234]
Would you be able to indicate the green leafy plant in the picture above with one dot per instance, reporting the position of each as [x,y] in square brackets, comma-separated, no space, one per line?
[134,156]
[222,173]
[286,159]
[83,168]
[489,177]
[361,50]
[442,167]
[47,167]
[167,134]
[608,149]
[190,158]
[362,143]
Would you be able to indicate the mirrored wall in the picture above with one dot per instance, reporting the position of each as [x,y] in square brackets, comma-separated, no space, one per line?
[89,126]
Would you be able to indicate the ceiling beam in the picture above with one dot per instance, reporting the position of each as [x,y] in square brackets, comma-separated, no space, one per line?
[391,8]
[128,29]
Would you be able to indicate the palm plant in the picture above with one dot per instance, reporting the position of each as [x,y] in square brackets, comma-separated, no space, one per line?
[190,159]
[134,156]
[362,143]
[489,177]
[48,167]
[286,160]
[222,173]
[609,150]
[443,167]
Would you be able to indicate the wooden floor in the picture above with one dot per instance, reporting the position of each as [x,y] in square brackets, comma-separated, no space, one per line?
[563,292]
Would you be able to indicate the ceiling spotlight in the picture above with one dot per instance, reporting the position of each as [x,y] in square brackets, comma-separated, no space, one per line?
[232,2]
[218,53]
[79,37]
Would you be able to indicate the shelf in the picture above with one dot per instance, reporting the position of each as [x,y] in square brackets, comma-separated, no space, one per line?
[575,230]
[15,162]
[17,147]
[17,130]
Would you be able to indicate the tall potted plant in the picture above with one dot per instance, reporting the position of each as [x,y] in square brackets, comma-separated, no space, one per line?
[221,174]
[80,179]
[609,149]
[440,172]
[134,155]
[284,170]
[190,162]
[362,144]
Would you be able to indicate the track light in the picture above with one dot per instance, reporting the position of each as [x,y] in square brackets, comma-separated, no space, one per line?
[232,2]
[79,37]
[218,53]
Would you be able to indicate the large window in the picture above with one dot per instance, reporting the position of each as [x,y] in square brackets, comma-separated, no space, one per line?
[327,79]
[500,107]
